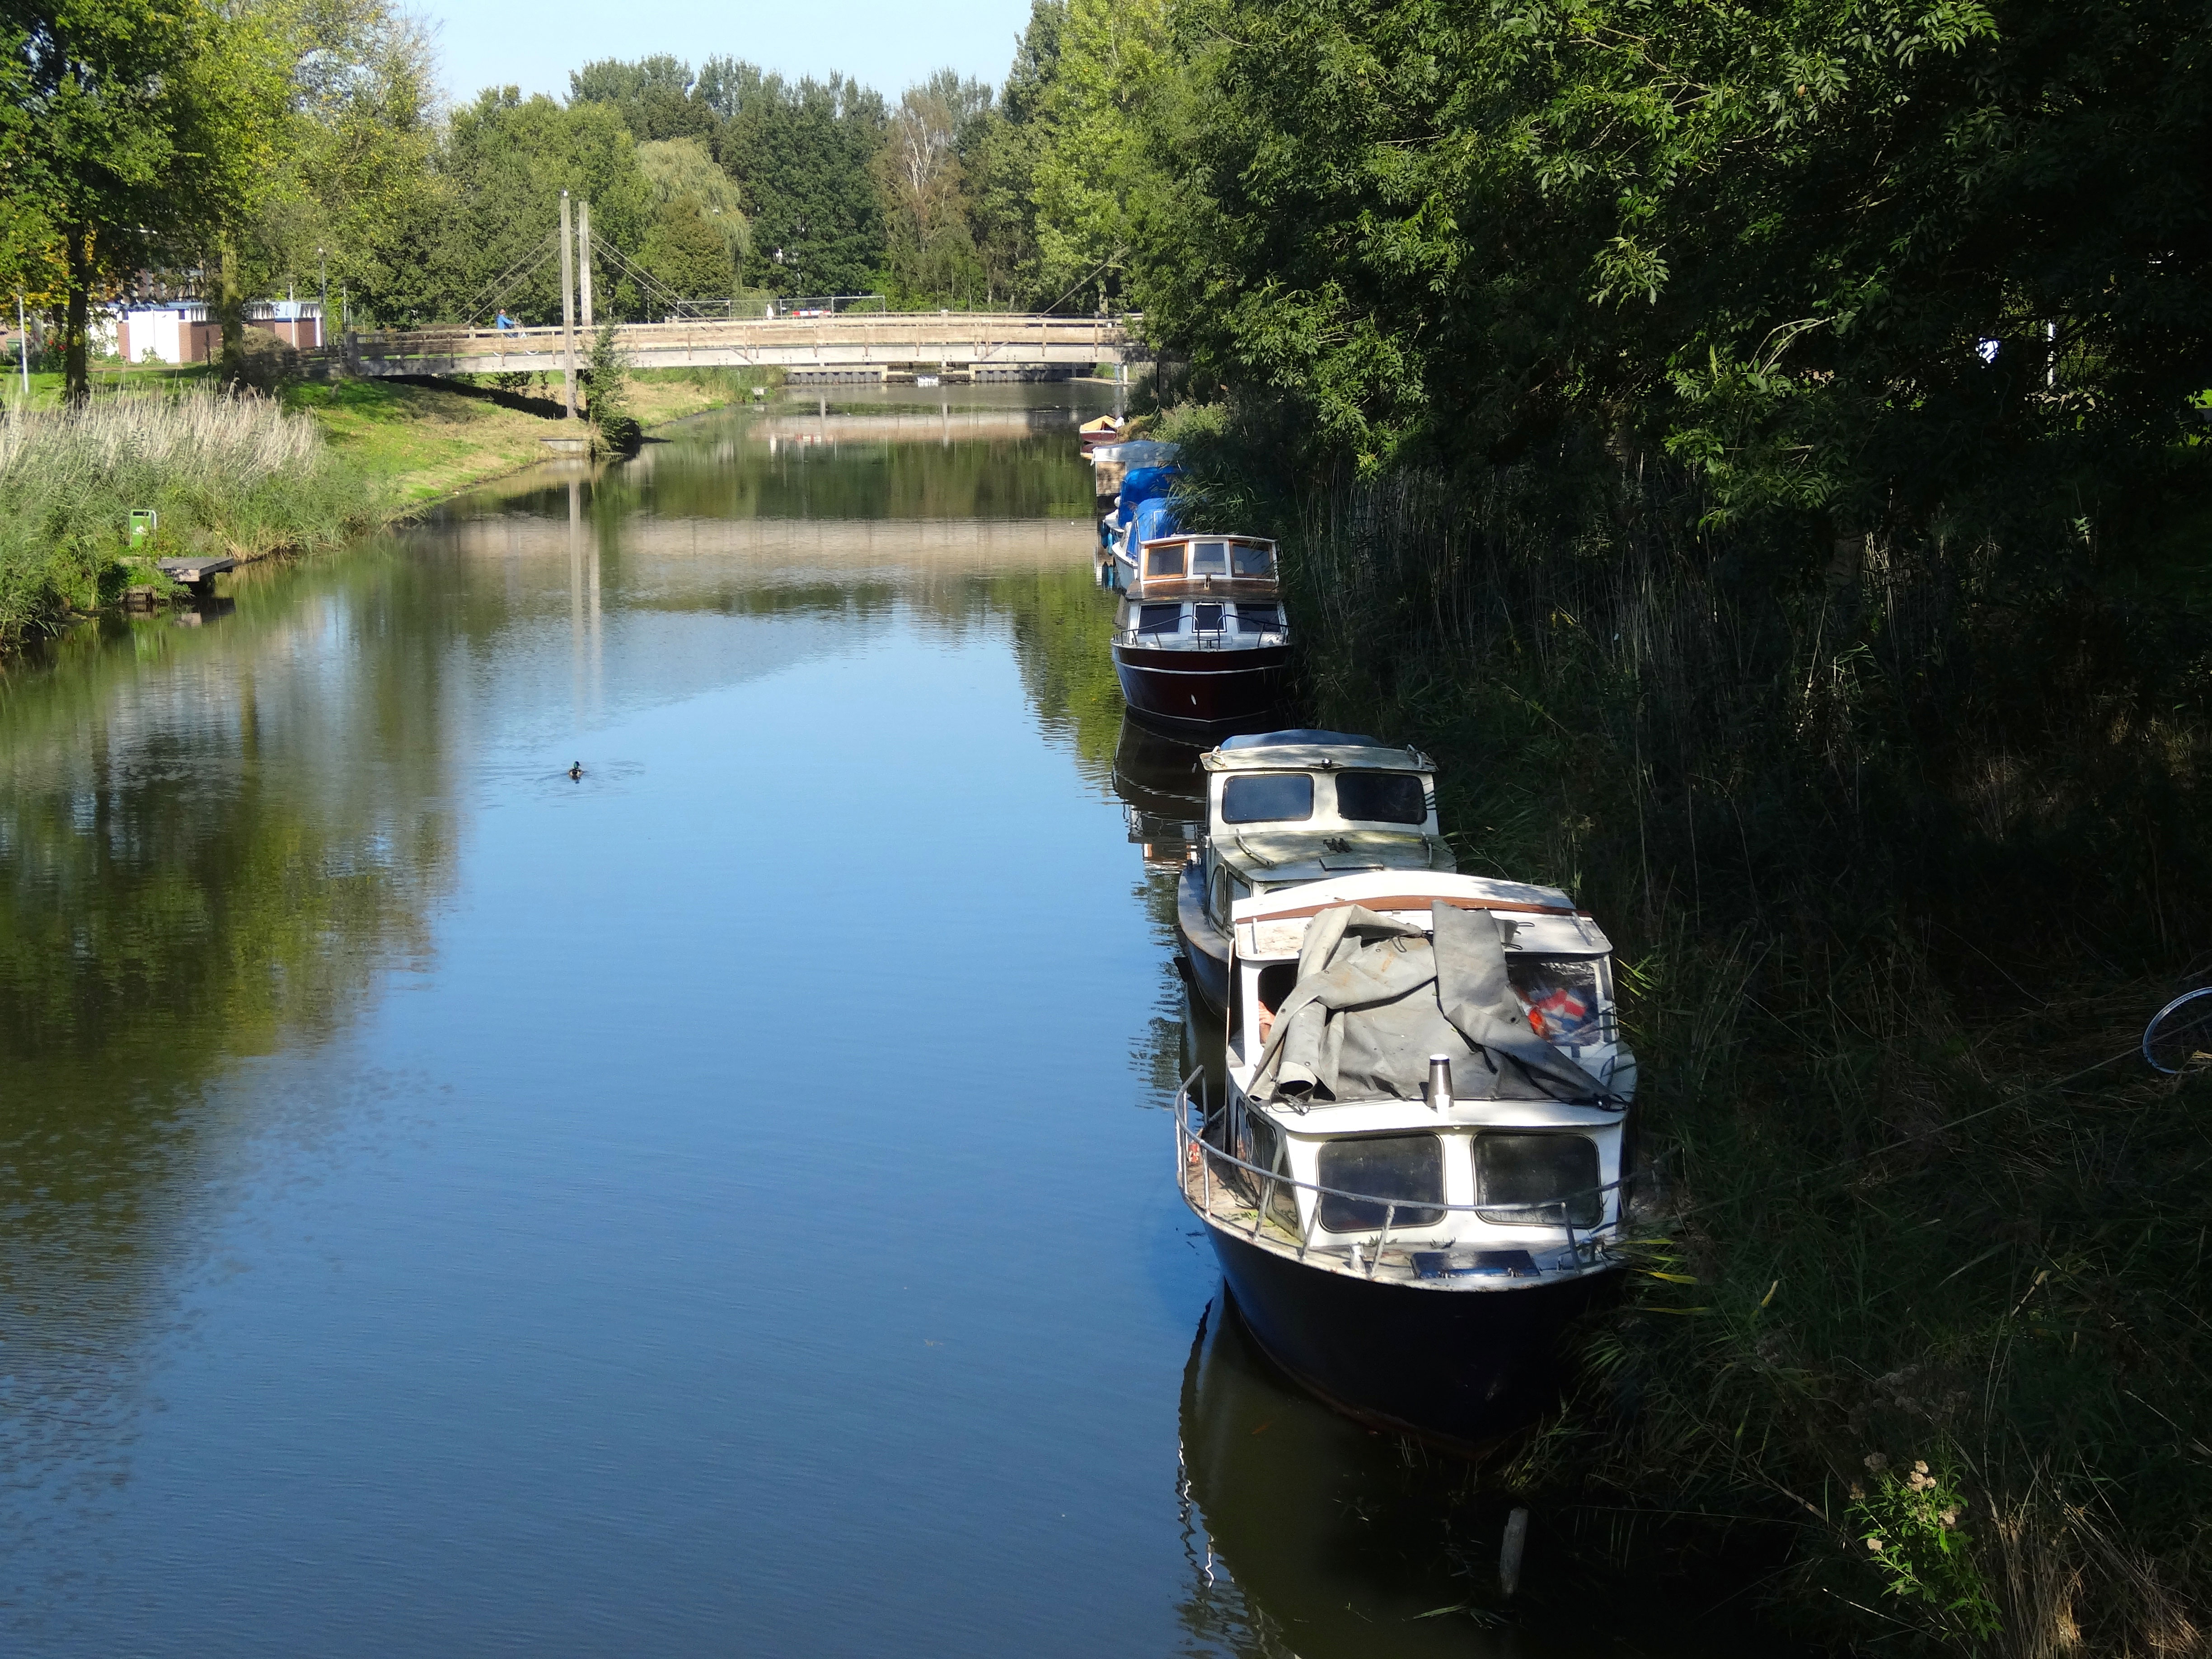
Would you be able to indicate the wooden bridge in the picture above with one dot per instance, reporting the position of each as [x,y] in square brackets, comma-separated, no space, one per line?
[865,340]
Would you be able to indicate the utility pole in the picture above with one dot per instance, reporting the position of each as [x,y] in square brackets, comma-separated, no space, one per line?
[23,351]
[568,313]
[323,317]
[584,258]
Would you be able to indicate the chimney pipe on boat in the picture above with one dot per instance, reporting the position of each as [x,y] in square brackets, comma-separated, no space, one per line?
[1440,1084]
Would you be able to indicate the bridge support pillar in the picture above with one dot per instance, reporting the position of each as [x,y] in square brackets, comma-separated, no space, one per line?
[568,313]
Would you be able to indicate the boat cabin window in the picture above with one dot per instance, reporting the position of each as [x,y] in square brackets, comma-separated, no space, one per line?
[1258,618]
[1380,1167]
[1249,560]
[1381,798]
[1560,994]
[1163,560]
[1266,798]
[1209,558]
[1206,618]
[1159,618]
[1558,1173]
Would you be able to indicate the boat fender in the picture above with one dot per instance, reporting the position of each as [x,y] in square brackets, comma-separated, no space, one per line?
[1509,1552]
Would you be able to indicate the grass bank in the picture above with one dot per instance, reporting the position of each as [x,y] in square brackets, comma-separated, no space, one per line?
[416,442]
[252,475]
[1915,1346]
[232,475]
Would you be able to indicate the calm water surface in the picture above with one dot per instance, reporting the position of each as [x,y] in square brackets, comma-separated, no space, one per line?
[717,1206]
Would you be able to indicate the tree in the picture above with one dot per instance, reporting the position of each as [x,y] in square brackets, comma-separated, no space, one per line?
[505,160]
[353,171]
[931,246]
[657,98]
[1773,249]
[1101,167]
[686,253]
[804,156]
[682,167]
[997,158]
[129,125]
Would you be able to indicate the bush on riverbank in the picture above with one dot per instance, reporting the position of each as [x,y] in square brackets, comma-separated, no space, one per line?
[228,475]
[1898,859]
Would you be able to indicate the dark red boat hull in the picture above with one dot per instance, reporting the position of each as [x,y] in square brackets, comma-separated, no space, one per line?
[1203,692]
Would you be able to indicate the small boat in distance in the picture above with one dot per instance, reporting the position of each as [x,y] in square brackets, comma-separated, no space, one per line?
[1200,643]
[1286,808]
[1414,1175]
[1106,430]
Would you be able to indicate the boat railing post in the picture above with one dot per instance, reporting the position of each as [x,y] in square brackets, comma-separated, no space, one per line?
[1389,1215]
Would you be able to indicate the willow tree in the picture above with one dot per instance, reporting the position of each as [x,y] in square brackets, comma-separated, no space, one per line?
[126,124]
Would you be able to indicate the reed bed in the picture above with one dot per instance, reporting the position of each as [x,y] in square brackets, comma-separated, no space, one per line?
[233,474]
[1915,1346]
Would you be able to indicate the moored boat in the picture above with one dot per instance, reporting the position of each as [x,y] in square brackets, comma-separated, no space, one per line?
[1200,643]
[1283,809]
[1414,1174]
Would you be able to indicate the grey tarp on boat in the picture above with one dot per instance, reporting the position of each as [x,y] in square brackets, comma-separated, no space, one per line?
[1375,996]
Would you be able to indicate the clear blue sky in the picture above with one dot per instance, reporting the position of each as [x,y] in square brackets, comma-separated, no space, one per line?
[886,45]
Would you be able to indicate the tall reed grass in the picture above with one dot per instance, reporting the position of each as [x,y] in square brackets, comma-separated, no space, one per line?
[236,475]
[1899,857]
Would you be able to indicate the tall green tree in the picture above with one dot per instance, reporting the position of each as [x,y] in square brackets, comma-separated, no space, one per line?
[931,248]
[999,158]
[1104,154]
[491,244]
[353,163]
[125,125]
[1862,263]
[657,98]
[804,154]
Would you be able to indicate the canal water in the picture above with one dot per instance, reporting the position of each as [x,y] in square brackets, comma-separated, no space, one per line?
[718,1203]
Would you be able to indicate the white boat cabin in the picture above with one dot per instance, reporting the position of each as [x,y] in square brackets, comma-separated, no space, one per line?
[1345,1143]
[1189,566]
[1287,808]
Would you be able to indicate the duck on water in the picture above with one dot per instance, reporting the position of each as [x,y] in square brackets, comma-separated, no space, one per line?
[1286,808]
[1414,1175]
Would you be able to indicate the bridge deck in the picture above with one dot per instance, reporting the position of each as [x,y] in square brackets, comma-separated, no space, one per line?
[949,340]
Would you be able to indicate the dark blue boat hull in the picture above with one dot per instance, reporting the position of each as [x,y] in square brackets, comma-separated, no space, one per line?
[1462,1368]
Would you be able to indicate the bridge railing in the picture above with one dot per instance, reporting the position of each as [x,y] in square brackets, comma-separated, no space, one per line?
[928,333]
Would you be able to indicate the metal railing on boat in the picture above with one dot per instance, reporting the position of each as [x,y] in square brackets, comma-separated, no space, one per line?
[1584,1248]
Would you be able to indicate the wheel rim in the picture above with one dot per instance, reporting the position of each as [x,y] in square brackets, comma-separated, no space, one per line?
[2180,1035]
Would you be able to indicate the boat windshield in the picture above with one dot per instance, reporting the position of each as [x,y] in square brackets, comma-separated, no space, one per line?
[1258,618]
[1250,561]
[1385,1167]
[1558,1172]
[1163,560]
[1159,618]
[1209,559]
[1266,798]
[1205,618]
[1380,798]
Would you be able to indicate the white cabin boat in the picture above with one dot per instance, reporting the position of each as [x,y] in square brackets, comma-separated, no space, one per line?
[1414,1174]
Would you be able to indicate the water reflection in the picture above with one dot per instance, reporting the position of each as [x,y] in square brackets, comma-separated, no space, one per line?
[1327,1539]
[1163,790]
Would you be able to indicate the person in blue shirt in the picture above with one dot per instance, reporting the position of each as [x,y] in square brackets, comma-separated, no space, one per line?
[502,321]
